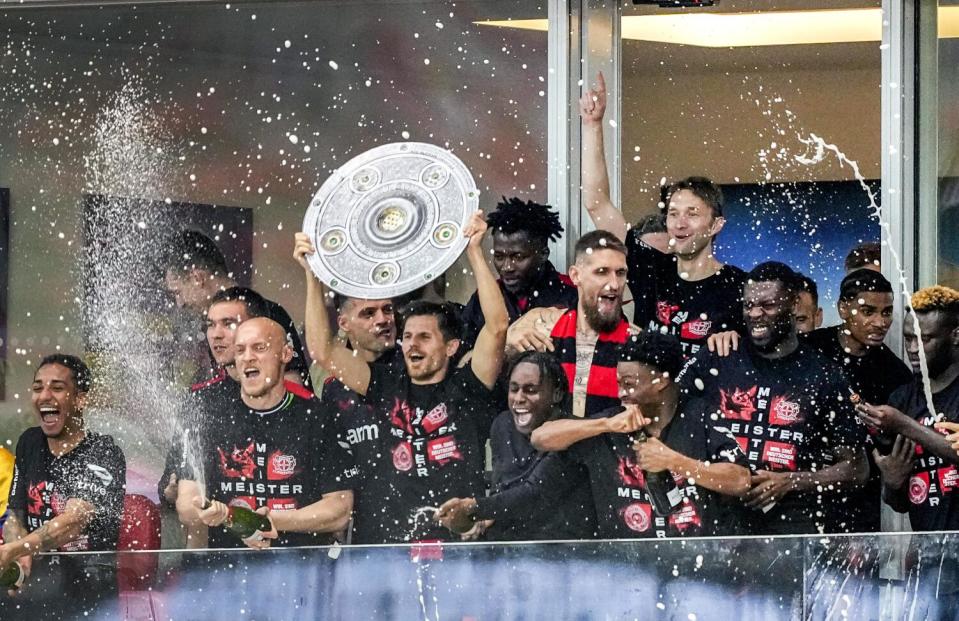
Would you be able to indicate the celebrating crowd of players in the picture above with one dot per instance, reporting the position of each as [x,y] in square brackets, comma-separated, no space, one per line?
[765,422]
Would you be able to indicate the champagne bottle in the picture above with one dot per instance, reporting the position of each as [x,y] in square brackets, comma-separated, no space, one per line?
[243,522]
[661,488]
[11,576]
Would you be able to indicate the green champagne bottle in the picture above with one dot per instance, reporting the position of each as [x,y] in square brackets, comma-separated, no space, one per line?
[661,488]
[11,577]
[243,522]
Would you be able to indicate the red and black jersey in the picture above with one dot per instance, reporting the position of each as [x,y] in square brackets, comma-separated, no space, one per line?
[94,471]
[602,389]
[216,394]
[788,414]
[690,310]
[430,449]
[933,489]
[283,458]
[622,505]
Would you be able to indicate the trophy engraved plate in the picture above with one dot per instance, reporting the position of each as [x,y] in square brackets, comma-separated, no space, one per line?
[390,220]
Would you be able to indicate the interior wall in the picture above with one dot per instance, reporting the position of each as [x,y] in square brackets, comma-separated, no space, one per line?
[717,123]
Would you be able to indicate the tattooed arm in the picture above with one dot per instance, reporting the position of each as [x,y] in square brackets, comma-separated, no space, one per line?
[61,530]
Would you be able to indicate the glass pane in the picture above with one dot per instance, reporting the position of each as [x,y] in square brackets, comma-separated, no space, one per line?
[883,576]
[735,93]
[948,85]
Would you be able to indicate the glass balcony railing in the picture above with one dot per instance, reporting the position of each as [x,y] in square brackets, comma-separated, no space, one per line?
[887,576]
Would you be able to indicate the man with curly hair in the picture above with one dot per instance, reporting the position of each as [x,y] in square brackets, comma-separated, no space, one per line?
[521,233]
[920,473]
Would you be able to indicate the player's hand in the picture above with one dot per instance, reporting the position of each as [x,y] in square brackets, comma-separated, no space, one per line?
[952,431]
[26,564]
[882,417]
[654,456]
[723,343]
[261,540]
[896,467]
[592,105]
[530,335]
[477,531]
[214,515]
[456,514]
[628,421]
[302,246]
[475,229]
[768,487]
[170,491]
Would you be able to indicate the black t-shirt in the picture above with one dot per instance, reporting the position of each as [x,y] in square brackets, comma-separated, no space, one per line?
[94,471]
[431,449]
[214,395]
[551,290]
[873,376]
[514,459]
[284,458]
[934,484]
[690,310]
[618,486]
[352,415]
[788,414]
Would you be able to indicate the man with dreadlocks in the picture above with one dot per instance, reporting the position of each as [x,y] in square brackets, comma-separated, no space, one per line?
[521,234]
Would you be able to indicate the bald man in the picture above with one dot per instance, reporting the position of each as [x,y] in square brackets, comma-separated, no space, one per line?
[268,452]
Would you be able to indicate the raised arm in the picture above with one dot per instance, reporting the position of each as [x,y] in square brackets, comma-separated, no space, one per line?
[325,350]
[489,351]
[592,108]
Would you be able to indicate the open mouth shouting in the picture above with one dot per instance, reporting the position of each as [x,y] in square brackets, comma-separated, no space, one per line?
[415,357]
[608,303]
[522,417]
[50,417]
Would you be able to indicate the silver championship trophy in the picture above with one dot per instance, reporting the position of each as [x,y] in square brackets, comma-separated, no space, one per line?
[390,220]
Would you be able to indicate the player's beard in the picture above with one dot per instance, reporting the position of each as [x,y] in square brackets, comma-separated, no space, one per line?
[599,321]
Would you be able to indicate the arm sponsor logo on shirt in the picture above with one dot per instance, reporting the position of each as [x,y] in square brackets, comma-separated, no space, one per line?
[101,473]
[281,504]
